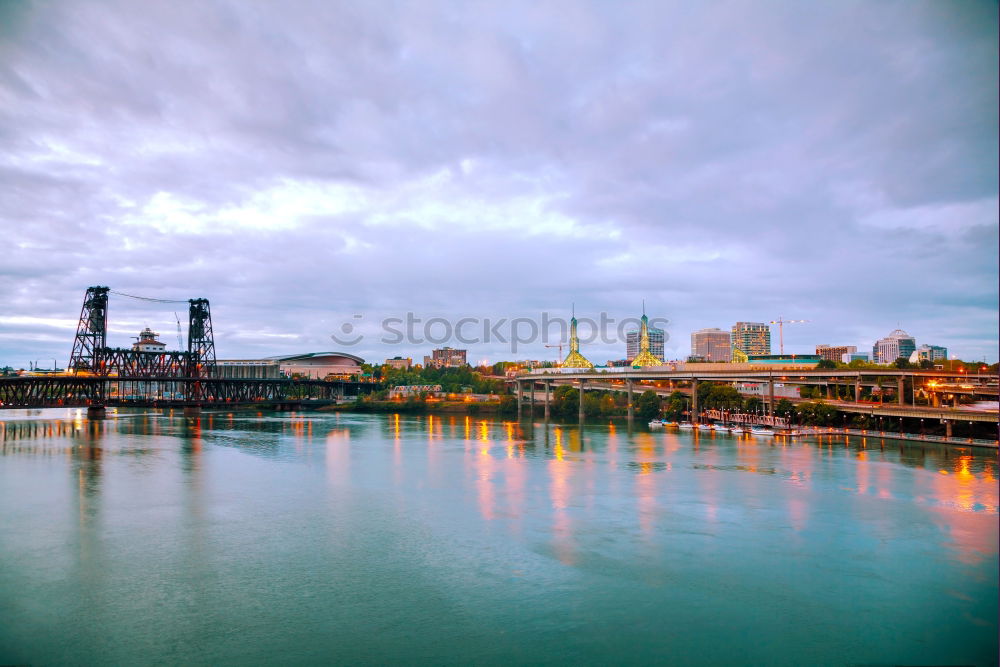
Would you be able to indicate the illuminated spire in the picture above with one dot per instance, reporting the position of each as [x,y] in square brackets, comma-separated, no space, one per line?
[574,359]
[645,357]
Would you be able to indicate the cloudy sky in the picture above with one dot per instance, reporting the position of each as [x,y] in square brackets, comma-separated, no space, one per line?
[306,165]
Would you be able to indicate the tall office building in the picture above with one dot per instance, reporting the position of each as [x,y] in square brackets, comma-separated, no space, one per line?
[751,338]
[895,345]
[712,345]
[656,338]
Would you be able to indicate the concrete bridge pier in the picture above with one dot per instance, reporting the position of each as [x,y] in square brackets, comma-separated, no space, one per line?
[531,400]
[695,418]
[582,381]
[96,412]
[548,387]
[631,407]
[519,387]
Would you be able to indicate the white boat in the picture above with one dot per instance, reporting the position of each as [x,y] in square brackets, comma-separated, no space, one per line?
[719,427]
[705,427]
[685,425]
[757,430]
[671,424]
[655,423]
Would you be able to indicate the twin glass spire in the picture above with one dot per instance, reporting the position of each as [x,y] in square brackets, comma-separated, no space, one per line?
[645,358]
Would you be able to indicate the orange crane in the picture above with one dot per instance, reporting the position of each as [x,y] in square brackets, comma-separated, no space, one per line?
[560,346]
[781,330]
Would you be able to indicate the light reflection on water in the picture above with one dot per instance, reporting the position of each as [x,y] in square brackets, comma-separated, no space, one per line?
[151,516]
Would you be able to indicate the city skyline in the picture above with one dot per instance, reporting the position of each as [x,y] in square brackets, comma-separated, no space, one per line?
[833,163]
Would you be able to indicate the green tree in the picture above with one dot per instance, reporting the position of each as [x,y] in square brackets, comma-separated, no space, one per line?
[648,405]
[902,363]
[675,406]
[783,406]
[826,364]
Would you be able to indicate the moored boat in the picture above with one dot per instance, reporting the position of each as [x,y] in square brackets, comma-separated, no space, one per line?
[655,423]
[758,430]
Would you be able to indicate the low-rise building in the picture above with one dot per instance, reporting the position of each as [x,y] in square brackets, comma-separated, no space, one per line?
[248,369]
[929,353]
[399,362]
[836,352]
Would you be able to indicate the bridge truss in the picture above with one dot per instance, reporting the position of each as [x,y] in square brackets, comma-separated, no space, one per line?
[86,391]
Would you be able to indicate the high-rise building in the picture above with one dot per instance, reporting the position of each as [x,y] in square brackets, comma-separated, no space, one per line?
[751,338]
[712,345]
[656,339]
[446,357]
[836,352]
[895,345]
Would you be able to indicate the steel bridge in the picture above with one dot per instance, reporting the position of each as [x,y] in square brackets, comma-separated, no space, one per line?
[99,376]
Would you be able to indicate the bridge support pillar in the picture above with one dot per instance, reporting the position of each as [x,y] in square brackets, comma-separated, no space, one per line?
[96,412]
[192,410]
[582,415]
[900,390]
[770,399]
[548,387]
[947,428]
[694,402]
[531,400]
[857,390]
[631,406]
[519,390]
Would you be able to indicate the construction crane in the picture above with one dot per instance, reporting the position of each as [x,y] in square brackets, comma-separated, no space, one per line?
[180,338]
[560,346]
[781,330]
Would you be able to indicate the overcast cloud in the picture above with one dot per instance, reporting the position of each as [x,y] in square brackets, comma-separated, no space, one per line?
[302,163]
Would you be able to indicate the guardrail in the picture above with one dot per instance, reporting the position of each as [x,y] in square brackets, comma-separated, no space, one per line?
[894,435]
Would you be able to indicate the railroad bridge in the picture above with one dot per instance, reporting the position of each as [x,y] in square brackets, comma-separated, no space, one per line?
[99,376]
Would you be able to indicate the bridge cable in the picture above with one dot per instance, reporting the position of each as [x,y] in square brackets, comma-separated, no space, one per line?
[149,298]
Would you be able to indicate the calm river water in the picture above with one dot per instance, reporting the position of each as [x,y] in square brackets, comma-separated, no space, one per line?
[299,538]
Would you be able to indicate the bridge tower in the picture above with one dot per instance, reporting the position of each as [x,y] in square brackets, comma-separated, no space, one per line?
[201,342]
[91,331]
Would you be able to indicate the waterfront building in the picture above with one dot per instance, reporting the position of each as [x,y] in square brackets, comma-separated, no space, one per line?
[657,337]
[712,345]
[645,357]
[445,357]
[929,353]
[836,352]
[785,359]
[574,359]
[897,344]
[146,342]
[407,390]
[751,338]
[399,362]
[248,369]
